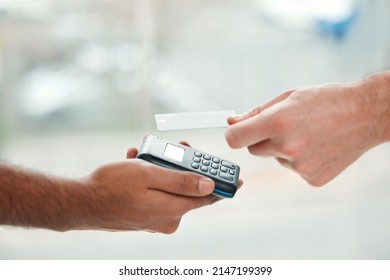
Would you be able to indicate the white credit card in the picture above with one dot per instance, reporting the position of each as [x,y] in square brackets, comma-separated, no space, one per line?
[193,120]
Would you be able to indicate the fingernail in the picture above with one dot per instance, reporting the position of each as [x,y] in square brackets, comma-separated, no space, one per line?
[235,116]
[206,186]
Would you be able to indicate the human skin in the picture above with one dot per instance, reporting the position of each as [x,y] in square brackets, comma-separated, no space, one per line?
[317,131]
[131,194]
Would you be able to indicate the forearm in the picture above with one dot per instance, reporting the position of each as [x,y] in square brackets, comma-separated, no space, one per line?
[32,199]
[375,91]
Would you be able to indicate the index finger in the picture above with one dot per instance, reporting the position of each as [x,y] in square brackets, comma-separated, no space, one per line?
[248,132]
[253,127]
[260,108]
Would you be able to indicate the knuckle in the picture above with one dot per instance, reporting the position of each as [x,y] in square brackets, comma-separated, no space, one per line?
[292,148]
[289,150]
[171,227]
[316,182]
[255,110]
[300,168]
[175,210]
[311,173]
[295,166]
[185,183]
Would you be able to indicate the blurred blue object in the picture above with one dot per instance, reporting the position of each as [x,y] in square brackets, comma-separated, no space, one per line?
[338,27]
[326,16]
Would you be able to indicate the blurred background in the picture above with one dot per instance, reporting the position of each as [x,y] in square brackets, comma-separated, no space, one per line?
[80,82]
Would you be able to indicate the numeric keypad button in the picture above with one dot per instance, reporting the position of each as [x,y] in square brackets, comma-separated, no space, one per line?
[206,157]
[198,154]
[226,176]
[196,159]
[228,164]
[204,168]
[213,172]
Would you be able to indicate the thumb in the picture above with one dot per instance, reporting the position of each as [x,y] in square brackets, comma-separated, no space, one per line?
[182,182]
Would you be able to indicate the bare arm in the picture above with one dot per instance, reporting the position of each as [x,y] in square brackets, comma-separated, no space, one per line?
[124,195]
[318,131]
[32,199]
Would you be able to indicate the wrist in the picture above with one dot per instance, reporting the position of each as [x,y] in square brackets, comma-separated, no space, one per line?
[80,210]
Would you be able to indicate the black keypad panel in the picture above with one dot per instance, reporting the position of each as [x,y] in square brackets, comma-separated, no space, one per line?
[208,164]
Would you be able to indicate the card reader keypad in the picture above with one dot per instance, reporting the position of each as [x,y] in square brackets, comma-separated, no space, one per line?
[216,167]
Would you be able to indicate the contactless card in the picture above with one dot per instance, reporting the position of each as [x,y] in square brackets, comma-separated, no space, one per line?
[192,120]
